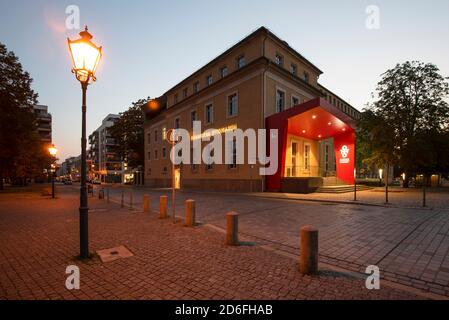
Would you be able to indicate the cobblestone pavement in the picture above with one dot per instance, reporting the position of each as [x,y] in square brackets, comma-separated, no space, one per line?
[410,245]
[39,239]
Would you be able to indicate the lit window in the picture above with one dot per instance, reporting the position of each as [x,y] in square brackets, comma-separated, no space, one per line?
[164,133]
[240,62]
[232,105]
[223,72]
[306,156]
[280,100]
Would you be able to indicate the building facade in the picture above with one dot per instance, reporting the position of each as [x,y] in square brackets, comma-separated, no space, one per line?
[258,77]
[44,123]
[105,164]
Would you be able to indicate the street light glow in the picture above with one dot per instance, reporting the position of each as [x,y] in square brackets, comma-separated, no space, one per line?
[85,56]
[52,150]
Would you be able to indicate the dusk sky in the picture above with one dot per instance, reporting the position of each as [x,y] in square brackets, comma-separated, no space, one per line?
[149,46]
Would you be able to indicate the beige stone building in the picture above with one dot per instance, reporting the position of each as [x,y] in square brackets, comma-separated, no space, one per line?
[259,76]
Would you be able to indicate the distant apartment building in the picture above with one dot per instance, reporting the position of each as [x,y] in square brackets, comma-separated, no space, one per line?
[44,123]
[260,82]
[105,164]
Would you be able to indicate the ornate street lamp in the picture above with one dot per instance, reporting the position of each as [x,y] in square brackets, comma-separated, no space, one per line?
[86,56]
[53,151]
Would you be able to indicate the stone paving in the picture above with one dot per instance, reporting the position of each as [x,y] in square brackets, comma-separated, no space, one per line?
[39,239]
[410,245]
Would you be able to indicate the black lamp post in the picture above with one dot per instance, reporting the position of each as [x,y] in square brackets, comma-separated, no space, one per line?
[86,56]
[52,150]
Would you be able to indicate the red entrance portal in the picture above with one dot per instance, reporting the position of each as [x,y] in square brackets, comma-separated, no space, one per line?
[313,121]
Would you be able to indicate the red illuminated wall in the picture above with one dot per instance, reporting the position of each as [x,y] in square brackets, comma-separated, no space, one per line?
[344,156]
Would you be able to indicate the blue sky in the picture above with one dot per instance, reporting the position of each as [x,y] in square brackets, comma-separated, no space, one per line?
[151,45]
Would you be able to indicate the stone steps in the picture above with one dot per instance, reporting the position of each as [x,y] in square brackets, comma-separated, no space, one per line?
[341,188]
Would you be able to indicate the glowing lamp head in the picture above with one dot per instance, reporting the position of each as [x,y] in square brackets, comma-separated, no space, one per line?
[52,150]
[380,173]
[85,56]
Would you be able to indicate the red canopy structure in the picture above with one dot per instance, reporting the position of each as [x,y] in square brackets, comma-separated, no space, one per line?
[316,120]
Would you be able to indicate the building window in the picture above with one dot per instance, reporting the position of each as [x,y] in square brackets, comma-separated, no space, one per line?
[295,101]
[280,100]
[279,59]
[175,98]
[149,171]
[155,135]
[240,61]
[196,87]
[306,156]
[149,137]
[149,155]
[306,77]
[210,164]
[233,163]
[193,117]
[209,80]
[185,92]
[232,105]
[294,69]
[164,133]
[164,152]
[193,166]
[294,157]
[177,123]
[155,154]
[209,113]
[223,72]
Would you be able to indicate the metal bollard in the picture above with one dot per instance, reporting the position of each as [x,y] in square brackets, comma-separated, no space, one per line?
[232,238]
[308,263]
[163,207]
[122,201]
[146,203]
[101,194]
[190,213]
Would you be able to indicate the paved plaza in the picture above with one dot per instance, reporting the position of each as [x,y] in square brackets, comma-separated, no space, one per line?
[39,239]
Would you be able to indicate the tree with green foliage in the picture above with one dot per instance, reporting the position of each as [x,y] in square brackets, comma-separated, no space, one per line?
[21,151]
[128,133]
[408,124]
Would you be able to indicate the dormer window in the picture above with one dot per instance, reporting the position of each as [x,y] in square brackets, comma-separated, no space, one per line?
[240,61]
[279,59]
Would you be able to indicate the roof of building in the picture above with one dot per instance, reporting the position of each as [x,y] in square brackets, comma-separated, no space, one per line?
[247,38]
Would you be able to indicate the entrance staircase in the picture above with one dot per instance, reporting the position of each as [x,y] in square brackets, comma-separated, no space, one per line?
[335,185]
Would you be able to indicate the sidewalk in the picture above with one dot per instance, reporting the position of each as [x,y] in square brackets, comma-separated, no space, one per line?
[39,239]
